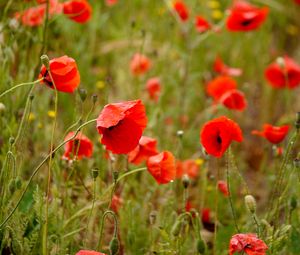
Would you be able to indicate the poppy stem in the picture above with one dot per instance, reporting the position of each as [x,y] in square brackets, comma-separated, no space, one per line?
[102,225]
[20,85]
[36,170]
[229,191]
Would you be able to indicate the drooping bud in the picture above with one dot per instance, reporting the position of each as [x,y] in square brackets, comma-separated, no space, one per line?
[114,246]
[45,61]
[82,94]
[250,203]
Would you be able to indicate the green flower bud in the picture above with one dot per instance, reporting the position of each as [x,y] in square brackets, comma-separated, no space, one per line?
[293,203]
[11,140]
[176,228]
[45,61]
[18,182]
[250,203]
[82,94]
[12,186]
[201,247]
[114,246]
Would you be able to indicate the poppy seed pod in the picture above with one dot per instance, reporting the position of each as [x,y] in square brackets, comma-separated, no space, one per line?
[250,203]
[114,246]
[185,181]
[95,172]
[94,98]
[45,61]
[115,176]
[82,94]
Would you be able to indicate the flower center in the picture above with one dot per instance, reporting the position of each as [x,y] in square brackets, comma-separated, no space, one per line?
[219,139]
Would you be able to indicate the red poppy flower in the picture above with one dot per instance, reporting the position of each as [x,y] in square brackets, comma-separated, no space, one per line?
[78,10]
[162,167]
[153,87]
[297,1]
[87,252]
[188,167]
[182,10]
[145,149]
[80,146]
[245,17]
[202,24]
[111,2]
[217,135]
[283,75]
[223,69]
[139,64]
[218,86]
[33,16]
[234,99]
[205,215]
[248,243]
[222,186]
[64,73]
[116,203]
[272,133]
[122,125]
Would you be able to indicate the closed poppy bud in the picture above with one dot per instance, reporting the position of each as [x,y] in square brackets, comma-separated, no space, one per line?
[95,172]
[181,9]
[201,247]
[121,125]
[114,246]
[245,17]
[64,73]
[217,135]
[11,140]
[250,203]
[139,64]
[162,167]
[78,10]
[79,147]
[18,182]
[82,94]
[176,227]
[45,61]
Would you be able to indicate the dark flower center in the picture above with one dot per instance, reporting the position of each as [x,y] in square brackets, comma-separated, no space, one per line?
[246,22]
[219,139]
[47,79]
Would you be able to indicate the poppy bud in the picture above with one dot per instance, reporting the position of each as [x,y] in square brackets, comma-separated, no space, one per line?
[82,94]
[180,133]
[45,61]
[11,140]
[293,203]
[94,98]
[185,181]
[250,203]
[115,176]
[31,97]
[152,217]
[2,108]
[176,228]
[12,186]
[114,246]
[201,246]
[18,182]
[95,172]
[297,122]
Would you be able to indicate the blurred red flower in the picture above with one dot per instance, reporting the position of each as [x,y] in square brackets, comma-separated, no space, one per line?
[188,167]
[248,243]
[111,2]
[218,86]
[87,252]
[64,73]
[139,64]
[201,24]
[222,186]
[234,99]
[273,134]
[162,167]
[297,1]
[122,125]
[217,134]
[116,203]
[285,74]
[223,69]
[181,9]
[245,17]
[78,10]
[145,149]
[205,215]
[153,87]
[79,147]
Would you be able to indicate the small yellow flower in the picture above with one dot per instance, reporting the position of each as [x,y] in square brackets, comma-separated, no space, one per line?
[209,188]
[100,84]
[199,161]
[31,117]
[51,114]
[217,14]
[292,30]
[40,125]
[213,4]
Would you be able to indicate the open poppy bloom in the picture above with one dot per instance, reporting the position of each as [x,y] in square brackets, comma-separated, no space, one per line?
[188,167]
[286,74]
[245,17]
[87,252]
[145,149]
[272,133]
[234,99]
[217,135]
[248,243]
[33,16]
[222,186]
[162,167]
[64,73]
[121,125]
[223,69]
[153,88]
[78,10]
[116,203]
[139,64]
[79,147]
[181,9]
[220,85]
[202,24]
